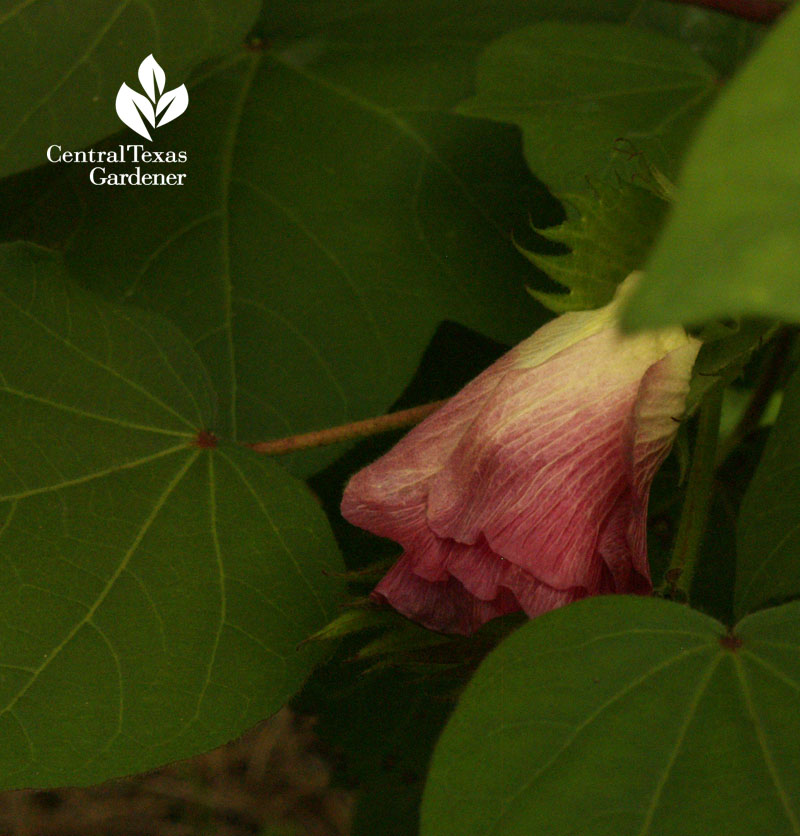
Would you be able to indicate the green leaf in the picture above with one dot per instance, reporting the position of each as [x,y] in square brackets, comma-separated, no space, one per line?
[713,583]
[623,715]
[335,212]
[333,215]
[721,39]
[153,590]
[63,63]
[732,245]
[609,234]
[578,90]
[410,22]
[768,536]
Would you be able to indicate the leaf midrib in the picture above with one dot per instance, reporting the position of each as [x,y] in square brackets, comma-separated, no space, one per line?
[630,686]
[94,416]
[97,474]
[226,170]
[766,754]
[691,711]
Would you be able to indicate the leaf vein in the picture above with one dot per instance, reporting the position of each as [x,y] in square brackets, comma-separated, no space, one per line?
[529,782]
[692,710]
[143,529]
[758,726]
[94,361]
[98,474]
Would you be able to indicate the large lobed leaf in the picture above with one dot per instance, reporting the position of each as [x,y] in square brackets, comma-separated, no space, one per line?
[626,717]
[732,245]
[335,212]
[326,228]
[62,63]
[153,590]
[586,95]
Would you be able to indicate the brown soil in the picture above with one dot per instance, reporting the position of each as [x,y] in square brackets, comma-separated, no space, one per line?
[271,781]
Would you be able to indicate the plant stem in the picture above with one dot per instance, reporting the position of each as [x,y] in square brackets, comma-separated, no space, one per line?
[694,513]
[769,377]
[759,11]
[357,429]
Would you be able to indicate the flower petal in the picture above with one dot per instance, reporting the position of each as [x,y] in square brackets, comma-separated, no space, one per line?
[445,605]
[389,496]
[620,547]
[659,409]
[529,489]
[538,470]
[453,588]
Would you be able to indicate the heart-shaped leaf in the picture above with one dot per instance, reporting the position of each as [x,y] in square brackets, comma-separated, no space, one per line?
[154,583]
[626,716]
[334,211]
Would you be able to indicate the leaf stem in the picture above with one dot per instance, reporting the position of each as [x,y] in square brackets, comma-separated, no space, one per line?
[759,11]
[345,432]
[694,514]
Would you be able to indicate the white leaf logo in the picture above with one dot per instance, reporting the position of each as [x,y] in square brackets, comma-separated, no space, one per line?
[157,107]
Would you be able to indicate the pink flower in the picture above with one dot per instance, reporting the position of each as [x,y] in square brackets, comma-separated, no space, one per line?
[529,488]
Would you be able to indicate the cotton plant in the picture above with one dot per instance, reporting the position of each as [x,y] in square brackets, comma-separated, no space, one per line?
[430,367]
